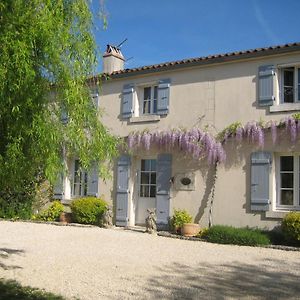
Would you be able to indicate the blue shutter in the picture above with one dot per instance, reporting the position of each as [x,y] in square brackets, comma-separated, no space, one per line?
[163,95]
[265,85]
[93,182]
[123,172]
[163,182]
[260,177]
[127,101]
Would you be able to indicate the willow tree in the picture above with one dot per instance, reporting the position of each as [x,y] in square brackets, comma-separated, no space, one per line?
[47,52]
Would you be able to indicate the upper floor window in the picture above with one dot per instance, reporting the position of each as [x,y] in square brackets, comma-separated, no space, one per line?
[149,103]
[146,99]
[290,82]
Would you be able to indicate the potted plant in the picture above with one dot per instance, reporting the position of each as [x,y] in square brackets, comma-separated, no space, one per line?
[190,229]
[179,218]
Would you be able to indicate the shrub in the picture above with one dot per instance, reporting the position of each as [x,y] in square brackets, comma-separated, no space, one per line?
[52,213]
[15,208]
[179,218]
[88,210]
[202,233]
[291,227]
[236,236]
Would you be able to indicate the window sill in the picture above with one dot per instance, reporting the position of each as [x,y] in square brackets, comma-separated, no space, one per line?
[142,119]
[277,214]
[285,107]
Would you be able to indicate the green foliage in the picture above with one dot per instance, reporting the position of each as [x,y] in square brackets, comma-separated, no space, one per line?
[52,213]
[296,116]
[88,210]
[15,207]
[180,217]
[47,53]
[229,130]
[236,236]
[291,227]
[202,233]
[11,289]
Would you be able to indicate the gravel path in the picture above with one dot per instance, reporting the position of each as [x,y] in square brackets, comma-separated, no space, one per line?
[94,263]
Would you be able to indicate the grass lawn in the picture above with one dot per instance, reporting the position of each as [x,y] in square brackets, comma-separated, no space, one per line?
[12,290]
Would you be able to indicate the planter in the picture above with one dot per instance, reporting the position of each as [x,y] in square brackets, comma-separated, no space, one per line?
[65,217]
[190,229]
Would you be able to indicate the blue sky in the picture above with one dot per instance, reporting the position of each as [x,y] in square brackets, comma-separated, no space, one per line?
[166,30]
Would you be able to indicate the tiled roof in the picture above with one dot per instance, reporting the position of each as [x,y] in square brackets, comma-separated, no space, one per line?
[217,58]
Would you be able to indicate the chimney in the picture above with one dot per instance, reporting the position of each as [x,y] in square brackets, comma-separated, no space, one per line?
[113,59]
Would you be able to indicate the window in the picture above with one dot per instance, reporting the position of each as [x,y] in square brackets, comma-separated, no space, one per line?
[290,83]
[80,178]
[289,181]
[149,105]
[148,178]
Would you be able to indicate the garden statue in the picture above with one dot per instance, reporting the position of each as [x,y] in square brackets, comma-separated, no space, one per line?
[108,217]
[151,221]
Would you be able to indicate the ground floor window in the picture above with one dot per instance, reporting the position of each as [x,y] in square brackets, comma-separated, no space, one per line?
[288,181]
[79,182]
[148,178]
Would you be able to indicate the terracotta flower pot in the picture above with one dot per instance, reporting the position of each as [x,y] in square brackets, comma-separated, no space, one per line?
[190,229]
[65,217]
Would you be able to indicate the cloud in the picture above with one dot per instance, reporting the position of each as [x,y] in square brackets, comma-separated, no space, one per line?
[261,19]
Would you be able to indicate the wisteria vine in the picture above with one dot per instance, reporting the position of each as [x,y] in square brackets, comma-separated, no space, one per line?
[201,144]
[255,131]
[193,142]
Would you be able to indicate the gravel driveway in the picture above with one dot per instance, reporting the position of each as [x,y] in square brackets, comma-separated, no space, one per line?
[94,263]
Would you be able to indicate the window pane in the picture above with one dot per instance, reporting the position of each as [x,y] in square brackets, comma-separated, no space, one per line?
[144,191]
[153,178]
[146,107]
[147,93]
[287,180]
[288,85]
[155,92]
[144,178]
[153,165]
[154,106]
[287,197]
[146,165]
[286,163]
[152,191]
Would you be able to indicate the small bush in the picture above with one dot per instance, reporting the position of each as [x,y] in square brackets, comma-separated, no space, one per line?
[291,227]
[236,236]
[88,210]
[179,218]
[202,233]
[52,213]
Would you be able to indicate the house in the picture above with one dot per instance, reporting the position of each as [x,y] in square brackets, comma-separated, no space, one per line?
[171,114]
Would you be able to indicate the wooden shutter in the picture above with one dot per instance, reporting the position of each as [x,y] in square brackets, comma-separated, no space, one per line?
[163,95]
[127,101]
[123,172]
[93,182]
[265,85]
[163,177]
[260,180]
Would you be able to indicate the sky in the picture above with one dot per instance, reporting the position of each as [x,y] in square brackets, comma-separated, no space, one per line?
[167,30]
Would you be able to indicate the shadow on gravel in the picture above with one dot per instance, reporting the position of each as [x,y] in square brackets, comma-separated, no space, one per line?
[226,281]
[12,290]
[5,253]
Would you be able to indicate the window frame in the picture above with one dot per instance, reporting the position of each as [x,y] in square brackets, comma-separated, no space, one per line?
[150,172]
[296,83]
[83,180]
[296,183]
